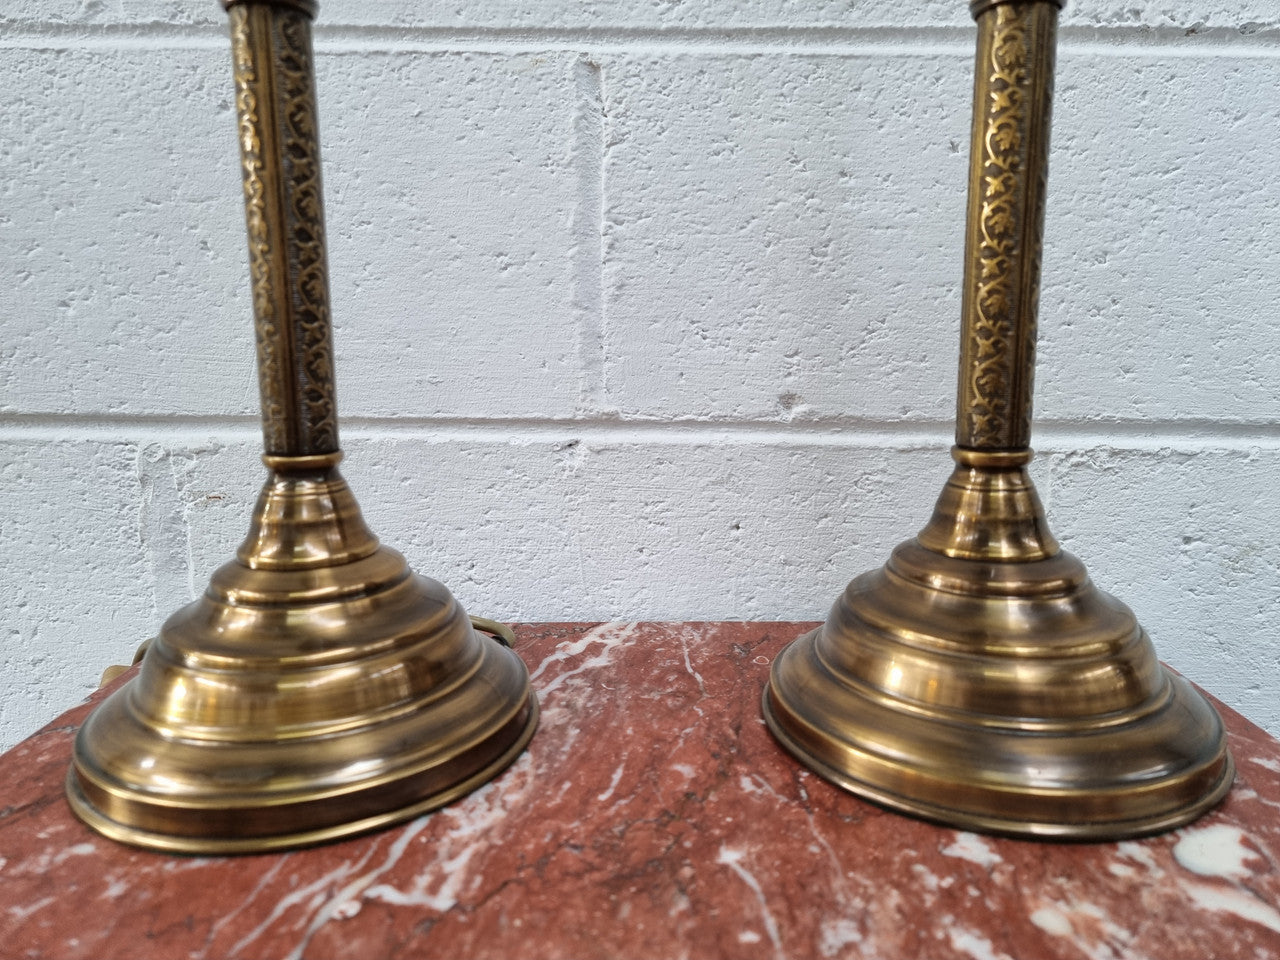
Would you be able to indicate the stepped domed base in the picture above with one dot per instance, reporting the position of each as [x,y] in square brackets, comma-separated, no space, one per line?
[317,690]
[980,680]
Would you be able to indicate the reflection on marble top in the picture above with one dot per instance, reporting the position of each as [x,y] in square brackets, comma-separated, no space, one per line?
[652,817]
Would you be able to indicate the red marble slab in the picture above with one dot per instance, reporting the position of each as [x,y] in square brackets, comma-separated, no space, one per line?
[653,817]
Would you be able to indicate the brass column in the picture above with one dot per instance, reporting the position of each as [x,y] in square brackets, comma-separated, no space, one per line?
[980,679]
[319,688]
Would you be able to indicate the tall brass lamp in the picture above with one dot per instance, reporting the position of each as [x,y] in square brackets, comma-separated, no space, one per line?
[319,688]
[979,678]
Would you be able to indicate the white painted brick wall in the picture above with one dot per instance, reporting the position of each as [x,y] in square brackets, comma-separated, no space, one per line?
[643,310]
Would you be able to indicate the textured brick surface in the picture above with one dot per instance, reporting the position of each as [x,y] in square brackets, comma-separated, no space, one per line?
[786,240]
[1245,16]
[642,310]
[791,239]
[1187,539]
[126,294]
[1161,256]
[450,209]
[82,552]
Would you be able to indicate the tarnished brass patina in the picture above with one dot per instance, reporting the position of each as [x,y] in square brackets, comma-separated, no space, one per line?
[319,688]
[980,679]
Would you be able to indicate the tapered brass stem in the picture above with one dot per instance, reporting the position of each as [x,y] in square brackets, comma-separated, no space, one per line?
[979,678]
[319,688]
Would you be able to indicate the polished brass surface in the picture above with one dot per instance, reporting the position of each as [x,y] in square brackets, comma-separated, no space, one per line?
[319,688]
[113,671]
[979,678]
[499,631]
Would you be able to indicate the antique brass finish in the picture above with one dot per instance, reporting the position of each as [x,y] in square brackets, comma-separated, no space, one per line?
[319,688]
[499,631]
[980,679]
[113,671]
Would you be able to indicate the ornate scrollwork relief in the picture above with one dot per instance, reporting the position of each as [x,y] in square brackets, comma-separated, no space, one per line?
[271,368]
[1001,327]
[304,216]
[284,214]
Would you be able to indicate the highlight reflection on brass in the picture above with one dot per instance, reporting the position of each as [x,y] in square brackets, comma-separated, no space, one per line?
[979,678]
[319,688]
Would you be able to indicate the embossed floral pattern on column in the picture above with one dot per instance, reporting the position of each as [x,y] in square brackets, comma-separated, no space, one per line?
[1006,238]
[279,147]
[308,263]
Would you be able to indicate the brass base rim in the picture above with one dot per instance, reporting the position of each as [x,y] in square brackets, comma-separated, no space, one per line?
[1017,829]
[1091,826]
[172,843]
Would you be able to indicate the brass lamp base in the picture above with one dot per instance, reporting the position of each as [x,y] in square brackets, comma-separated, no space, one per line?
[981,680]
[317,690]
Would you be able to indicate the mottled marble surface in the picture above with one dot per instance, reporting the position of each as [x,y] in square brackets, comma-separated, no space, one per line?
[653,817]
